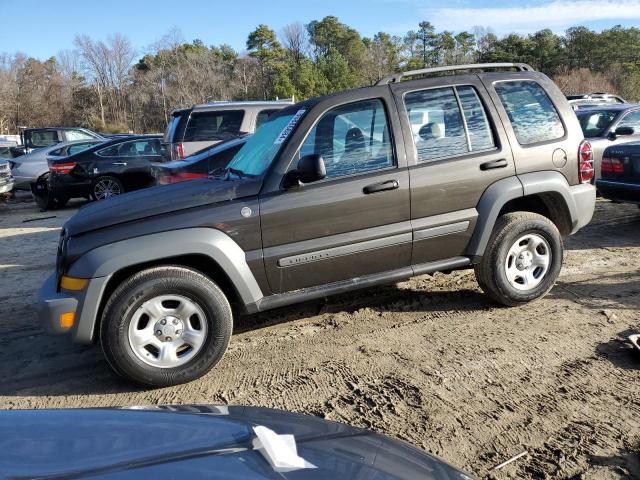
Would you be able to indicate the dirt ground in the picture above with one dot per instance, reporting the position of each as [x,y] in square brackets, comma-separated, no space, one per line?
[429,361]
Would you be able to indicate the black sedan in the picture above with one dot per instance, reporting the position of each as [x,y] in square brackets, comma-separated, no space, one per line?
[199,165]
[108,169]
[620,173]
[202,442]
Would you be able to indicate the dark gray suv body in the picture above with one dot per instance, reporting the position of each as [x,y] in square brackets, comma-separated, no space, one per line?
[485,170]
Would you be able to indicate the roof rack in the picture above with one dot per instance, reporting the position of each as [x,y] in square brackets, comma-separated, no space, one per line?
[397,77]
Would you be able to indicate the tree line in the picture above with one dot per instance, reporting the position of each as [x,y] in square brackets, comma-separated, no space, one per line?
[108,86]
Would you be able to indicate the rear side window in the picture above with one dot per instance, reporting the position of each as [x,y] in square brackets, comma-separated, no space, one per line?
[352,139]
[73,149]
[263,116]
[207,126]
[220,160]
[531,112]
[480,134]
[436,124]
[42,138]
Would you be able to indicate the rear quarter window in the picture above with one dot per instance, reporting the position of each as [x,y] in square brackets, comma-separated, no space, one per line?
[532,114]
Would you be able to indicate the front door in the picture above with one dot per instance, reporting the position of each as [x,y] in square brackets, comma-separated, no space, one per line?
[454,153]
[356,221]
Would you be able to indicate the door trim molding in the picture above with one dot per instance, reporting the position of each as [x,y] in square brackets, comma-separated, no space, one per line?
[441,230]
[349,249]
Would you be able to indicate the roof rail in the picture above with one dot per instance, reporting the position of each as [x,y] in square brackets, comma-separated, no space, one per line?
[397,77]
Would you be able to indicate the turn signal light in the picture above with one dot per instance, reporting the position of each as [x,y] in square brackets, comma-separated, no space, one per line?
[67,319]
[72,283]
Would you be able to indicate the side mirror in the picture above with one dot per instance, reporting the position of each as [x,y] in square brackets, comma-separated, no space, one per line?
[621,131]
[624,131]
[310,169]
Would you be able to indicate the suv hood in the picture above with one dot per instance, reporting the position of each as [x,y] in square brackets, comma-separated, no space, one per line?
[159,200]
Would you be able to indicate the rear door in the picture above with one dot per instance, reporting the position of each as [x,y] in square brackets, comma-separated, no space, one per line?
[456,148]
[356,221]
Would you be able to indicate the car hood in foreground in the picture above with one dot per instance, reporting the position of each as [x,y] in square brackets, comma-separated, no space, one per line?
[159,200]
[197,442]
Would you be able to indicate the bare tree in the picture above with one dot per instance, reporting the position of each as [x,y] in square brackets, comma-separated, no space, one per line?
[296,41]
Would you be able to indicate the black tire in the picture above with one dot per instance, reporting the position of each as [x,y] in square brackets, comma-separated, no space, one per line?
[491,270]
[145,285]
[42,195]
[109,179]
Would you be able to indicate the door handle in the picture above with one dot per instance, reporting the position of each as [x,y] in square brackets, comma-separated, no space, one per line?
[494,164]
[124,164]
[381,187]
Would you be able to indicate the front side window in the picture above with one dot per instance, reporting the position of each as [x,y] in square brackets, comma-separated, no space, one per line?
[436,124]
[596,123]
[208,126]
[530,110]
[353,138]
[631,120]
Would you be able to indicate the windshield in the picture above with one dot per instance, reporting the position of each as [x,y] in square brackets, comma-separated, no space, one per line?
[596,123]
[260,150]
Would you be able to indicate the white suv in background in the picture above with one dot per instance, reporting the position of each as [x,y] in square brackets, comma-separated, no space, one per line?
[192,129]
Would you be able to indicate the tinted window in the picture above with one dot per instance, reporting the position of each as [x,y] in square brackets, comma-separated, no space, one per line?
[595,124]
[206,126]
[263,116]
[631,120]
[58,152]
[77,135]
[532,115]
[111,151]
[436,124]
[5,152]
[43,138]
[480,134]
[352,138]
[139,148]
[73,149]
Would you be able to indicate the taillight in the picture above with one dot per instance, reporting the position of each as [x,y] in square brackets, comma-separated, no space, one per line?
[180,177]
[178,151]
[611,165]
[585,162]
[64,167]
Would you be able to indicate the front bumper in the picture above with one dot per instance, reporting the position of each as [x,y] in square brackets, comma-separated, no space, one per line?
[85,305]
[6,187]
[626,192]
[584,199]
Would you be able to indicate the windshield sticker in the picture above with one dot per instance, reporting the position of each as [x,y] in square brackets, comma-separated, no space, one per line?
[289,128]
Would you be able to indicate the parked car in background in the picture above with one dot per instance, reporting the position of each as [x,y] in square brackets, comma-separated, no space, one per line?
[620,177]
[207,162]
[6,180]
[595,98]
[105,170]
[197,442]
[330,195]
[7,149]
[28,168]
[606,125]
[33,138]
[192,129]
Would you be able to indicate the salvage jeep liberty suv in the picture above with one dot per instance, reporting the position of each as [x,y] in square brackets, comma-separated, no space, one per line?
[477,166]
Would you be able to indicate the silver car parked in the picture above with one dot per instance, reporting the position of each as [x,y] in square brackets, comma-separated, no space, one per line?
[606,125]
[28,168]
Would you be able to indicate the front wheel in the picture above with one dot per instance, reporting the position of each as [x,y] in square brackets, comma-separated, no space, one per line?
[106,187]
[165,326]
[522,259]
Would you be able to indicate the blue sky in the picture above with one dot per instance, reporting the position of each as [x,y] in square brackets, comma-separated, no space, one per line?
[37,29]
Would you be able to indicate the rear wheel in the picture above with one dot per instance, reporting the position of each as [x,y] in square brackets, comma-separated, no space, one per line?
[43,197]
[105,187]
[522,259]
[166,326]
